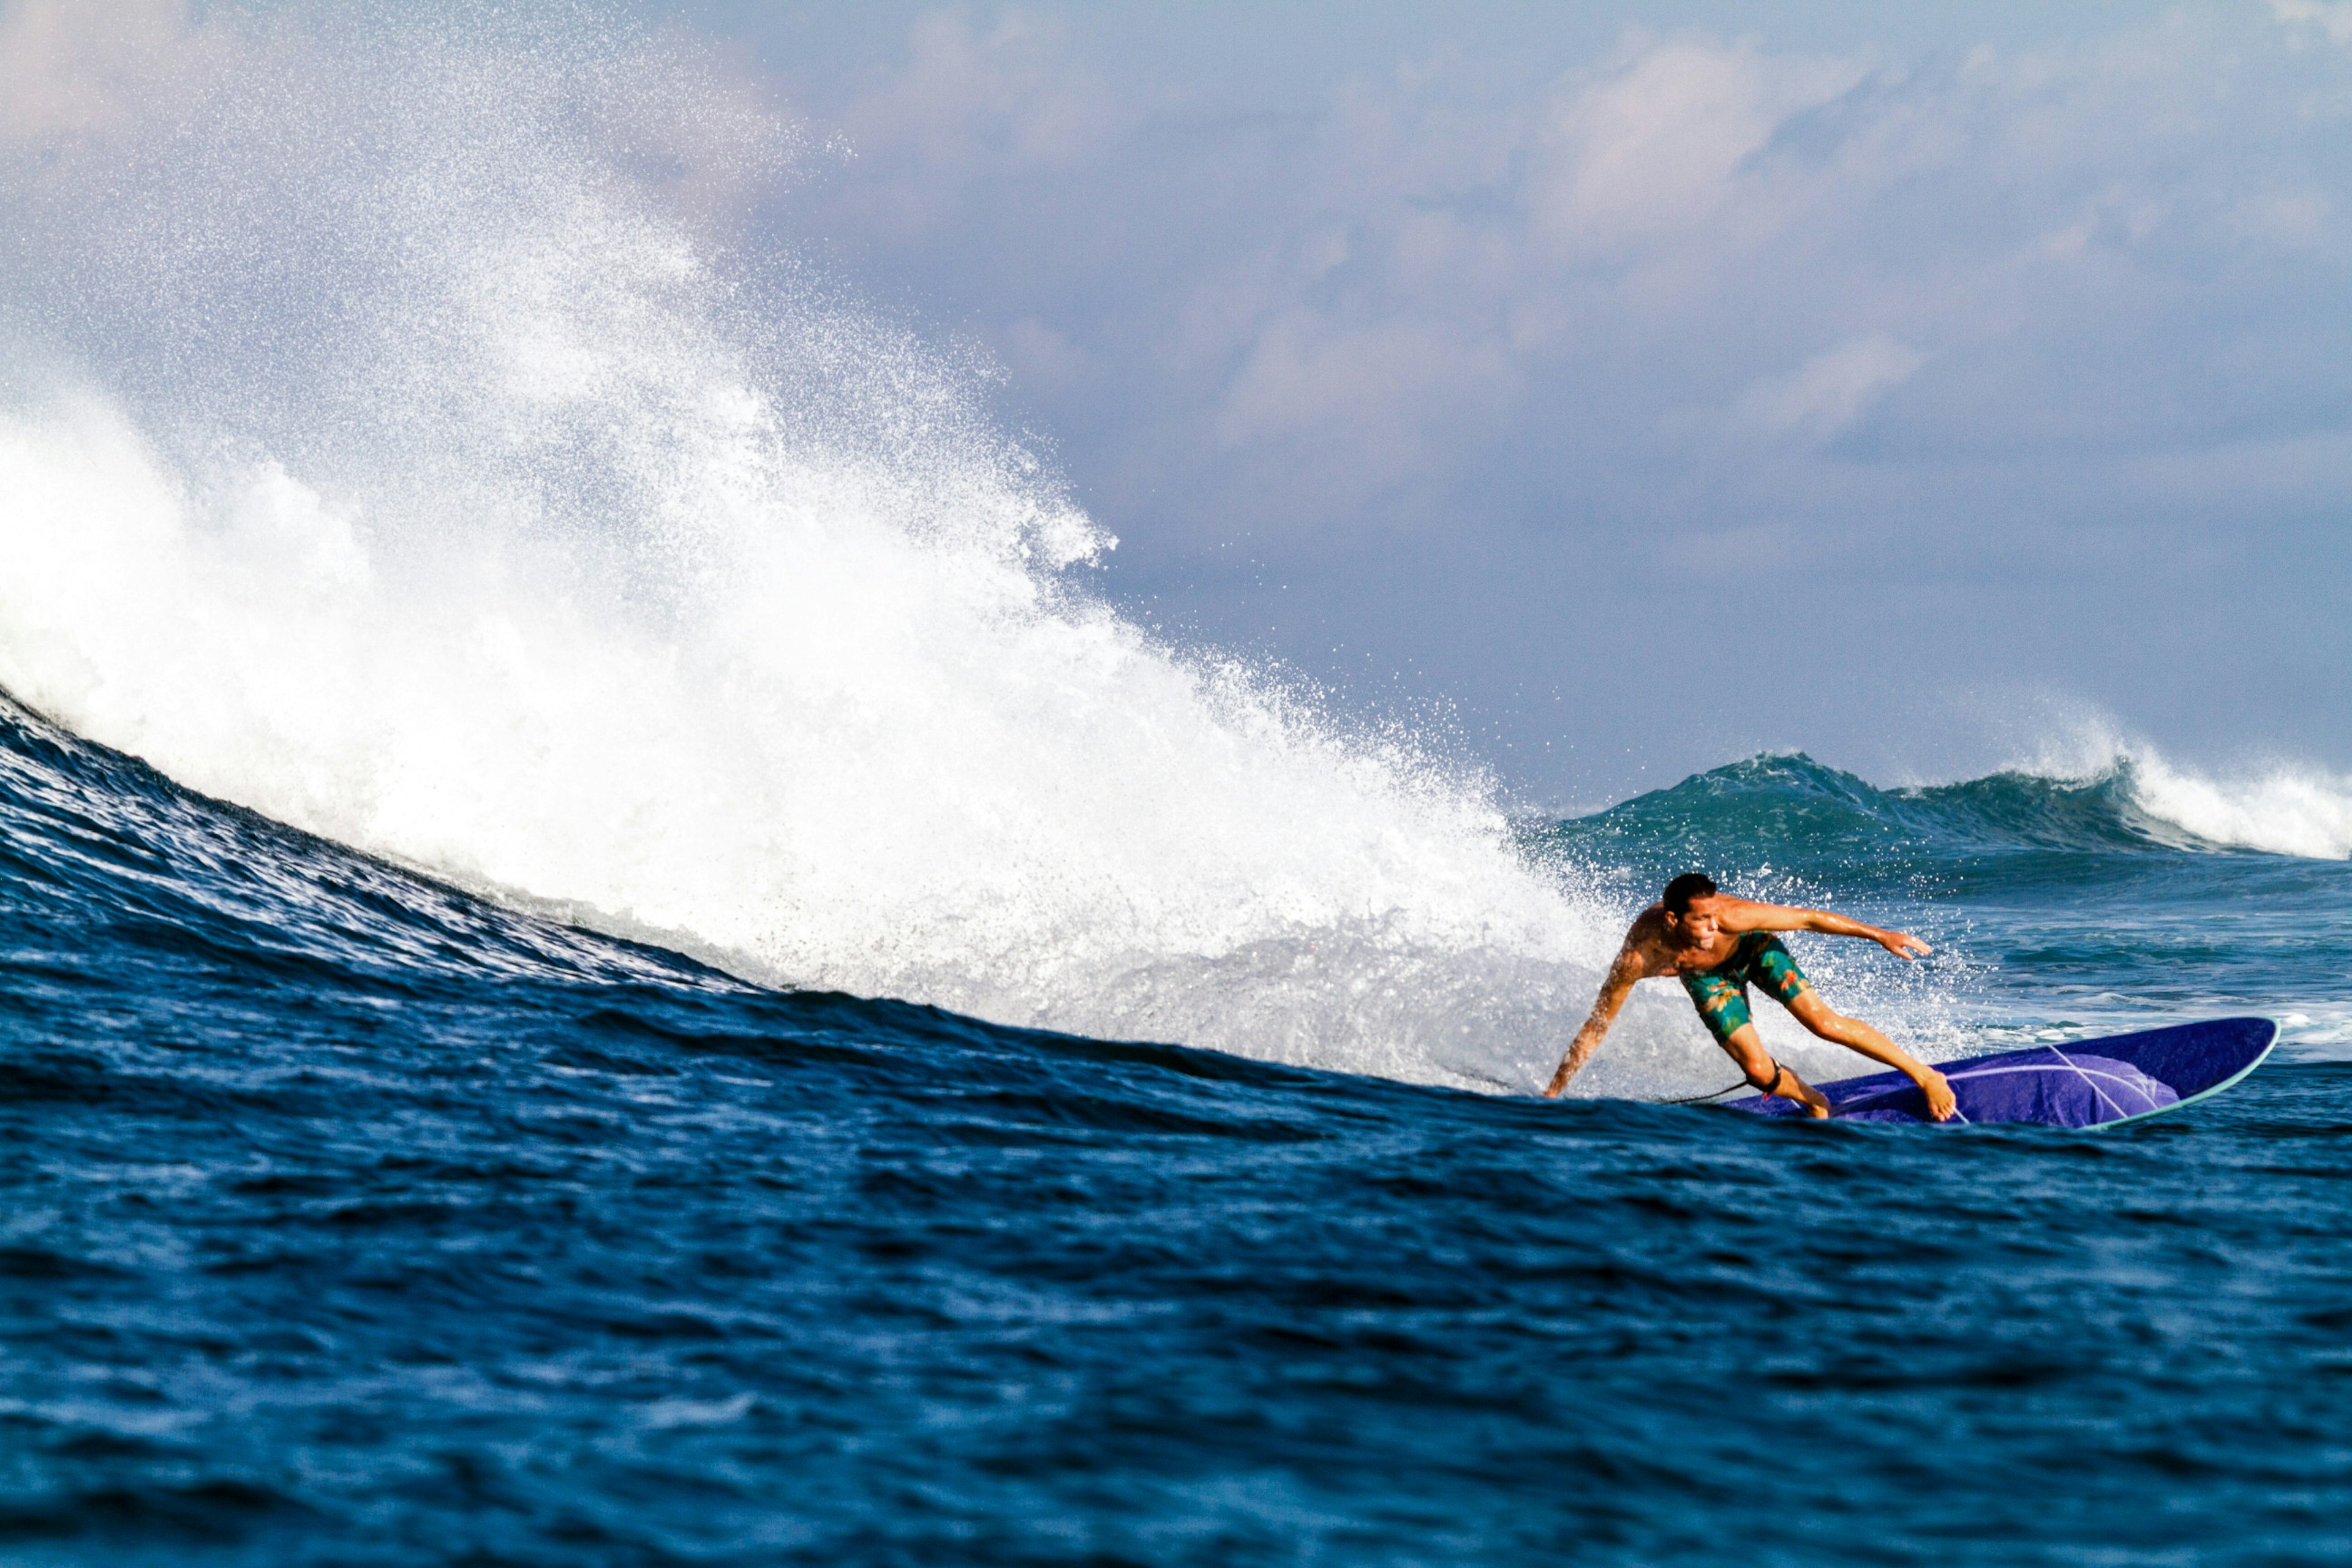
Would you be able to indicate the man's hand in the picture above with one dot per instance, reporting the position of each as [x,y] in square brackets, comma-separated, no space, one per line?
[1902,945]
[1940,1101]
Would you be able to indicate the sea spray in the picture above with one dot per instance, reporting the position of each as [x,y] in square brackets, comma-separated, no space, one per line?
[460,503]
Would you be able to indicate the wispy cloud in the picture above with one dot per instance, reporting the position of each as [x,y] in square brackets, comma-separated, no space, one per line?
[2333,17]
[966,104]
[1829,390]
[70,73]
[1431,260]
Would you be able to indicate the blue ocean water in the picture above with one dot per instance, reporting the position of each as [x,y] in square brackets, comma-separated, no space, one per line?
[350,1219]
[412,431]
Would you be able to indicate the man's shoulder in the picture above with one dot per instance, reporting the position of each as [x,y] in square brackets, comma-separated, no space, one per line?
[1648,931]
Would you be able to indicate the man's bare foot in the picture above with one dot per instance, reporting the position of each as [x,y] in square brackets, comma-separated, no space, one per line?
[1791,1087]
[1941,1102]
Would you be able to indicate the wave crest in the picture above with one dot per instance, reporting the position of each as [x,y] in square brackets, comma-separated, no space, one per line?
[2284,809]
[2131,802]
[557,555]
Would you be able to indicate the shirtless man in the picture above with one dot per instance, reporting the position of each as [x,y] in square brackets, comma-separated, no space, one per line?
[1716,945]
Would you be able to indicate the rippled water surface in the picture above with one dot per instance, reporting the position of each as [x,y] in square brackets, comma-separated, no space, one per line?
[417,428]
[349,1220]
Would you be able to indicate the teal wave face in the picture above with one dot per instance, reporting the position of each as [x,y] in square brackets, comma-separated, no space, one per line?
[1801,816]
[1795,802]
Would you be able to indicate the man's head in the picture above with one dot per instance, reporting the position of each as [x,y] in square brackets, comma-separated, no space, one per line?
[1686,905]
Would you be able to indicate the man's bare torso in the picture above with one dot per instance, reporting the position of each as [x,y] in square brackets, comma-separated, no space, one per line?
[1662,954]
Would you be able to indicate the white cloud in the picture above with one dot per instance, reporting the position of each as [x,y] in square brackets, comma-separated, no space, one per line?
[967,104]
[1041,354]
[70,72]
[1831,390]
[2332,16]
[2124,241]
[1454,249]
[1361,384]
[1658,147]
[963,95]
[1689,225]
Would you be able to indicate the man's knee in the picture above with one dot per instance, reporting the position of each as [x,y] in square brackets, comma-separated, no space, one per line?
[1747,1049]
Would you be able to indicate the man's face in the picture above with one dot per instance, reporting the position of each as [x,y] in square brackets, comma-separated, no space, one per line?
[1698,927]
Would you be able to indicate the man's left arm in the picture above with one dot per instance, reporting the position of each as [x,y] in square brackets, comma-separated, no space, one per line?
[1745,915]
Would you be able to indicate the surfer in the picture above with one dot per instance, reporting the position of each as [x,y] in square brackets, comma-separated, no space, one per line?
[1717,946]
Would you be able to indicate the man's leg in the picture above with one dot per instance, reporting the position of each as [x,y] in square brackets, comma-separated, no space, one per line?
[1747,1047]
[1851,1033]
[1856,1035]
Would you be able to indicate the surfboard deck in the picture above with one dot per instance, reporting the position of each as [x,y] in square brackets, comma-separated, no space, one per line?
[2101,1082]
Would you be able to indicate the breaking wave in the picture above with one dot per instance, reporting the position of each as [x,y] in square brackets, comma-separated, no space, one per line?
[404,463]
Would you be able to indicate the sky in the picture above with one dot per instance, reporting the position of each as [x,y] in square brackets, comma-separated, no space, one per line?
[1611,392]
[1626,389]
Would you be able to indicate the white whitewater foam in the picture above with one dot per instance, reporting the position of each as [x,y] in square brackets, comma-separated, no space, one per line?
[458,508]
[848,760]
[2283,807]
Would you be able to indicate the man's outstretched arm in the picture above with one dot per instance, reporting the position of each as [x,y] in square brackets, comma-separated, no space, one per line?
[1619,986]
[1742,915]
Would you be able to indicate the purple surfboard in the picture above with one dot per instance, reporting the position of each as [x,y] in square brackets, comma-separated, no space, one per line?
[2083,1083]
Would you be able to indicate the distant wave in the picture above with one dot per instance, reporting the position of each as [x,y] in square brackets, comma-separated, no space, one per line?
[2135,803]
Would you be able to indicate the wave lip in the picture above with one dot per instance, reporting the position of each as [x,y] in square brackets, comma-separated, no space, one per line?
[2283,810]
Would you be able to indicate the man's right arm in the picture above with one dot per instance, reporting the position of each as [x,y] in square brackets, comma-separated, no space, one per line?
[1629,968]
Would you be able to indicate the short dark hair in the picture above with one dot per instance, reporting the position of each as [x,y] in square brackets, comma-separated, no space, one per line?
[1684,889]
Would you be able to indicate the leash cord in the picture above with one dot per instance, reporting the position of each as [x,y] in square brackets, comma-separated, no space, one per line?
[1718,1094]
[1779,1072]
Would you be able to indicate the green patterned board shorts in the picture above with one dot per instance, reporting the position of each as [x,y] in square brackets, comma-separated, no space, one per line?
[1721,993]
